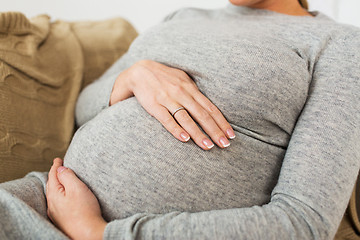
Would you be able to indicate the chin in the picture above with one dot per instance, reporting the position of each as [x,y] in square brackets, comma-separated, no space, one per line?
[244,2]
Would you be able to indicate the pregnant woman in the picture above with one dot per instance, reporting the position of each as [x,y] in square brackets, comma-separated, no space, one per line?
[269,95]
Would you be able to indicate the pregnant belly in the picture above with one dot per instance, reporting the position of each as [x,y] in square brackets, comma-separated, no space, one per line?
[133,165]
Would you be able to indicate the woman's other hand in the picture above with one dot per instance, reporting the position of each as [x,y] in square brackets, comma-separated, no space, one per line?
[72,207]
[162,90]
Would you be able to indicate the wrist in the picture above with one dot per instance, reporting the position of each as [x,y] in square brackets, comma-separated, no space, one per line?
[95,230]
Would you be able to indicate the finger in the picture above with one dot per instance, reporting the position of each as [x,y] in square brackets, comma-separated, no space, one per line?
[184,119]
[53,184]
[187,124]
[215,114]
[204,119]
[165,118]
[206,122]
[68,179]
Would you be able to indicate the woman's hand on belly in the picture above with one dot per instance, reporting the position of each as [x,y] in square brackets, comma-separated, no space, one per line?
[172,97]
[72,207]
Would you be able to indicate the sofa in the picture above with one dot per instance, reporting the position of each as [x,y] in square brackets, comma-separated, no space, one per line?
[43,67]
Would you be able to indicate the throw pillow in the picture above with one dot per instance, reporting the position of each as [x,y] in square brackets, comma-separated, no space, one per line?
[42,66]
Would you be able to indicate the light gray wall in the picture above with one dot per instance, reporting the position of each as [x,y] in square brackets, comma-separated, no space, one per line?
[141,13]
[349,11]
[146,13]
[346,11]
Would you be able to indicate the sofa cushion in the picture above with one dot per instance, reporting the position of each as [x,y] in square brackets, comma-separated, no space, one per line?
[349,228]
[354,207]
[103,42]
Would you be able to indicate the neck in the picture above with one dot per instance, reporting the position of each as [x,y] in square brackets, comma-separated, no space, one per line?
[289,7]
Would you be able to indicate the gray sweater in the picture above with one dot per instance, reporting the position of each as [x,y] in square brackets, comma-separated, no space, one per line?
[288,85]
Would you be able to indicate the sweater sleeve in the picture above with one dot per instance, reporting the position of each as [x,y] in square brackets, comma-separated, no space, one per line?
[96,96]
[317,176]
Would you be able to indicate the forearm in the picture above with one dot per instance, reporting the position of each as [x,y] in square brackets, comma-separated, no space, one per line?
[284,218]
[93,99]
[96,96]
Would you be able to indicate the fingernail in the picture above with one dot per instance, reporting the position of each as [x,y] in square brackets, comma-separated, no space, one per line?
[208,143]
[185,137]
[60,169]
[230,133]
[224,142]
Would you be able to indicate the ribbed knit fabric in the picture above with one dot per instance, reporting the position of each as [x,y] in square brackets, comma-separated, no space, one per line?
[290,88]
[16,23]
[41,69]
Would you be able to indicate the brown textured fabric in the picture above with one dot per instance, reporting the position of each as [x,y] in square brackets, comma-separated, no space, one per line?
[354,207]
[350,225]
[41,72]
[347,230]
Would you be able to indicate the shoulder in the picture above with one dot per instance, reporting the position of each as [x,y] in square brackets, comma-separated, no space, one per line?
[338,62]
[344,35]
[340,42]
[348,34]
